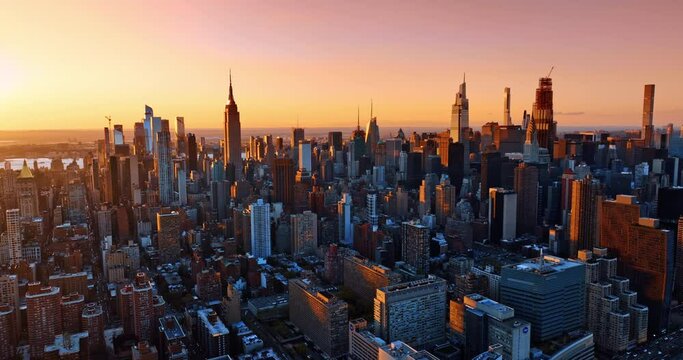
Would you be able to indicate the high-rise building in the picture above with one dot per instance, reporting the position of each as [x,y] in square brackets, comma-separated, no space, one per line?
[260,229]
[164,164]
[363,344]
[92,321]
[27,192]
[144,351]
[13,235]
[363,278]
[371,208]
[139,138]
[549,292]
[9,294]
[543,114]
[208,285]
[531,143]
[283,181]
[526,187]
[334,140]
[8,334]
[583,229]
[305,160]
[304,232]
[321,316]
[149,134]
[507,120]
[213,335]
[502,215]
[500,327]
[445,200]
[43,316]
[142,308]
[415,245]
[168,236]
[181,144]
[192,152]
[344,216]
[413,312]
[72,308]
[371,135]
[648,111]
[232,152]
[460,123]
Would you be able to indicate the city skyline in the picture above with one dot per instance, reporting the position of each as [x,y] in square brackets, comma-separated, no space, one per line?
[404,59]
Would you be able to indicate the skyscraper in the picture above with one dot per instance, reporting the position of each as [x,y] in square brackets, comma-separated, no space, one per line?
[413,312]
[526,187]
[232,152]
[549,292]
[212,333]
[13,235]
[543,114]
[502,215]
[371,135]
[260,229]
[531,143]
[164,164]
[415,245]
[181,144]
[304,232]
[27,192]
[460,123]
[321,316]
[344,216]
[507,120]
[43,315]
[142,308]
[139,139]
[584,213]
[305,163]
[648,111]
[283,181]
[445,199]
[168,237]
[149,135]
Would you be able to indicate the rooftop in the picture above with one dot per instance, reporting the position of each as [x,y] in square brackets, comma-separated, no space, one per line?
[546,265]
[171,328]
[210,320]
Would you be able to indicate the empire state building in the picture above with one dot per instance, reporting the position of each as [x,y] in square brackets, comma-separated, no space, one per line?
[232,149]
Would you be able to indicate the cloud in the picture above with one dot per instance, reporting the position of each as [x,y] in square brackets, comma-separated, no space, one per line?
[570,113]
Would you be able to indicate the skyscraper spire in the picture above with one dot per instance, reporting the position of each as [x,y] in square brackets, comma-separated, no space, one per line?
[231,99]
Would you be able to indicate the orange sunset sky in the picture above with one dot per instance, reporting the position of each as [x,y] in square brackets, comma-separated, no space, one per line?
[66,64]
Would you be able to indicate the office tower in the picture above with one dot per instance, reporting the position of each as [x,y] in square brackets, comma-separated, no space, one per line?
[371,211]
[27,192]
[144,351]
[283,182]
[43,316]
[446,198]
[344,215]
[213,335]
[192,152]
[139,138]
[549,292]
[612,313]
[491,164]
[460,123]
[334,140]
[13,235]
[232,152]
[304,232]
[297,137]
[500,327]
[9,294]
[208,285]
[584,214]
[164,164]
[413,312]
[118,135]
[149,134]
[260,229]
[507,120]
[180,135]
[425,196]
[168,236]
[107,142]
[648,111]
[363,344]
[371,135]
[182,187]
[645,252]
[502,215]
[92,321]
[543,114]
[364,277]
[8,335]
[415,246]
[526,187]
[305,161]
[531,143]
[320,316]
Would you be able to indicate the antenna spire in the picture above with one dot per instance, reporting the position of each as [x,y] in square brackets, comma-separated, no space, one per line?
[231,98]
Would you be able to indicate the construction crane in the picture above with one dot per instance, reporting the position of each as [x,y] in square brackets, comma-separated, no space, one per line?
[551,71]
[108,118]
